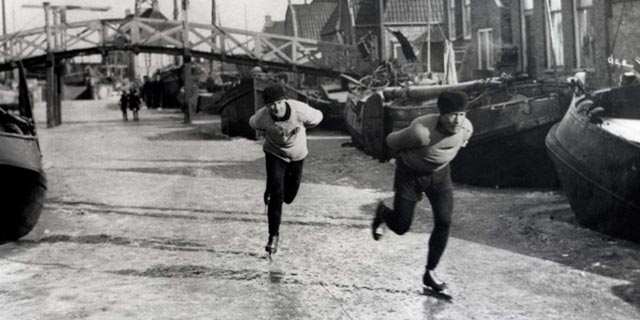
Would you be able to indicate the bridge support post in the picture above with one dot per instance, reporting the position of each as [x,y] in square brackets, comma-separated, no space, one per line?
[50,73]
[186,63]
[188,89]
[50,90]
[57,95]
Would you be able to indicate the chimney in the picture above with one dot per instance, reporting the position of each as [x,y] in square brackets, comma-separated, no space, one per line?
[154,5]
[127,12]
[268,23]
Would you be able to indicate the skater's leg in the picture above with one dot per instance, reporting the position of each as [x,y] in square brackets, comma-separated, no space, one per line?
[441,200]
[292,178]
[399,219]
[275,187]
[405,199]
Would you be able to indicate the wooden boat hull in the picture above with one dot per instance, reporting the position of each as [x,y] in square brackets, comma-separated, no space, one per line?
[243,100]
[507,148]
[23,185]
[600,171]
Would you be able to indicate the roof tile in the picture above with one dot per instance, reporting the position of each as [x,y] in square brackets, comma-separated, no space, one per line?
[397,11]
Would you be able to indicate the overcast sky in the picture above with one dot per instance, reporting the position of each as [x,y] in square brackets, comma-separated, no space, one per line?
[230,12]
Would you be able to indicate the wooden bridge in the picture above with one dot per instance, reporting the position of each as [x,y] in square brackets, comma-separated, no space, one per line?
[47,46]
[172,37]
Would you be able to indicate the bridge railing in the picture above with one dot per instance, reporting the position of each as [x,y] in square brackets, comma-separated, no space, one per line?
[132,32]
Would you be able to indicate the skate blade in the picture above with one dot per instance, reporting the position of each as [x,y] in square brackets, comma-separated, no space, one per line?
[443,295]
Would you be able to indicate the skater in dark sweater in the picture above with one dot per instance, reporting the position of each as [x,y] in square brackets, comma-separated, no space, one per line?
[124,104]
[424,150]
[284,123]
[134,103]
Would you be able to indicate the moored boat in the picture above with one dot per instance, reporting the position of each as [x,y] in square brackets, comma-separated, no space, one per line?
[23,182]
[596,152]
[243,100]
[510,118]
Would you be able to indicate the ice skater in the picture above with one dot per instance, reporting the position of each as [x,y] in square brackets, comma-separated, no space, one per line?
[425,148]
[134,103]
[283,122]
[124,104]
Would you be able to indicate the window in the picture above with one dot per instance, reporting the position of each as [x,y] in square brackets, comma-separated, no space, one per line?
[466,19]
[452,20]
[397,54]
[585,57]
[527,17]
[553,26]
[485,49]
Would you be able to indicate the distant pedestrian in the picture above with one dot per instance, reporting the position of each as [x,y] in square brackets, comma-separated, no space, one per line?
[145,92]
[425,149]
[284,123]
[124,104]
[134,103]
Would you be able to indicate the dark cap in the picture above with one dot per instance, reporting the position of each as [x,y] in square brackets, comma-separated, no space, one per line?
[453,101]
[272,94]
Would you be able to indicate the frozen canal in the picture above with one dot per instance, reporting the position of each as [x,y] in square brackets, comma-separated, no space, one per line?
[161,220]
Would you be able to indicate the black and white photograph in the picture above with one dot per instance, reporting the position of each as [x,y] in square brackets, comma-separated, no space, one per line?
[320,159]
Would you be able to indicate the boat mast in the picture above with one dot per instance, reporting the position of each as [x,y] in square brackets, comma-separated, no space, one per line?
[429,37]
[381,44]
[552,38]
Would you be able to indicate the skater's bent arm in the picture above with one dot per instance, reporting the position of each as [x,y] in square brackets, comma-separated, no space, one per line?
[257,121]
[413,136]
[468,130]
[309,116]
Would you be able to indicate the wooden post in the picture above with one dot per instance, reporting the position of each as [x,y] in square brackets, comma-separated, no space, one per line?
[213,37]
[381,38]
[186,62]
[176,16]
[429,37]
[57,104]
[50,65]
[5,75]
[54,16]
[135,39]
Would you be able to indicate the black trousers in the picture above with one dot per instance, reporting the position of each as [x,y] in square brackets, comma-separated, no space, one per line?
[438,188]
[283,182]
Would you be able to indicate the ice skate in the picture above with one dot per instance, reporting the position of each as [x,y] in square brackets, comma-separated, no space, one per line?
[434,286]
[377,230]
[272,246]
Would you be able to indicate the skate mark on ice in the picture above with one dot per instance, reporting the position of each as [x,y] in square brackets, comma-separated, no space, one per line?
[203,214]
[168,244]
[278,277]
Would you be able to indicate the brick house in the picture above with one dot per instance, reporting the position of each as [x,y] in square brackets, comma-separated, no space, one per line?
[354,20]
[518,36]
[273,26]
[307,20]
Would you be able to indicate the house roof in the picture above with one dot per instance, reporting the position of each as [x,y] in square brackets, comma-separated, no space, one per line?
[331,26]
[398,11]
[277,27]
[311,18]
[152,13]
